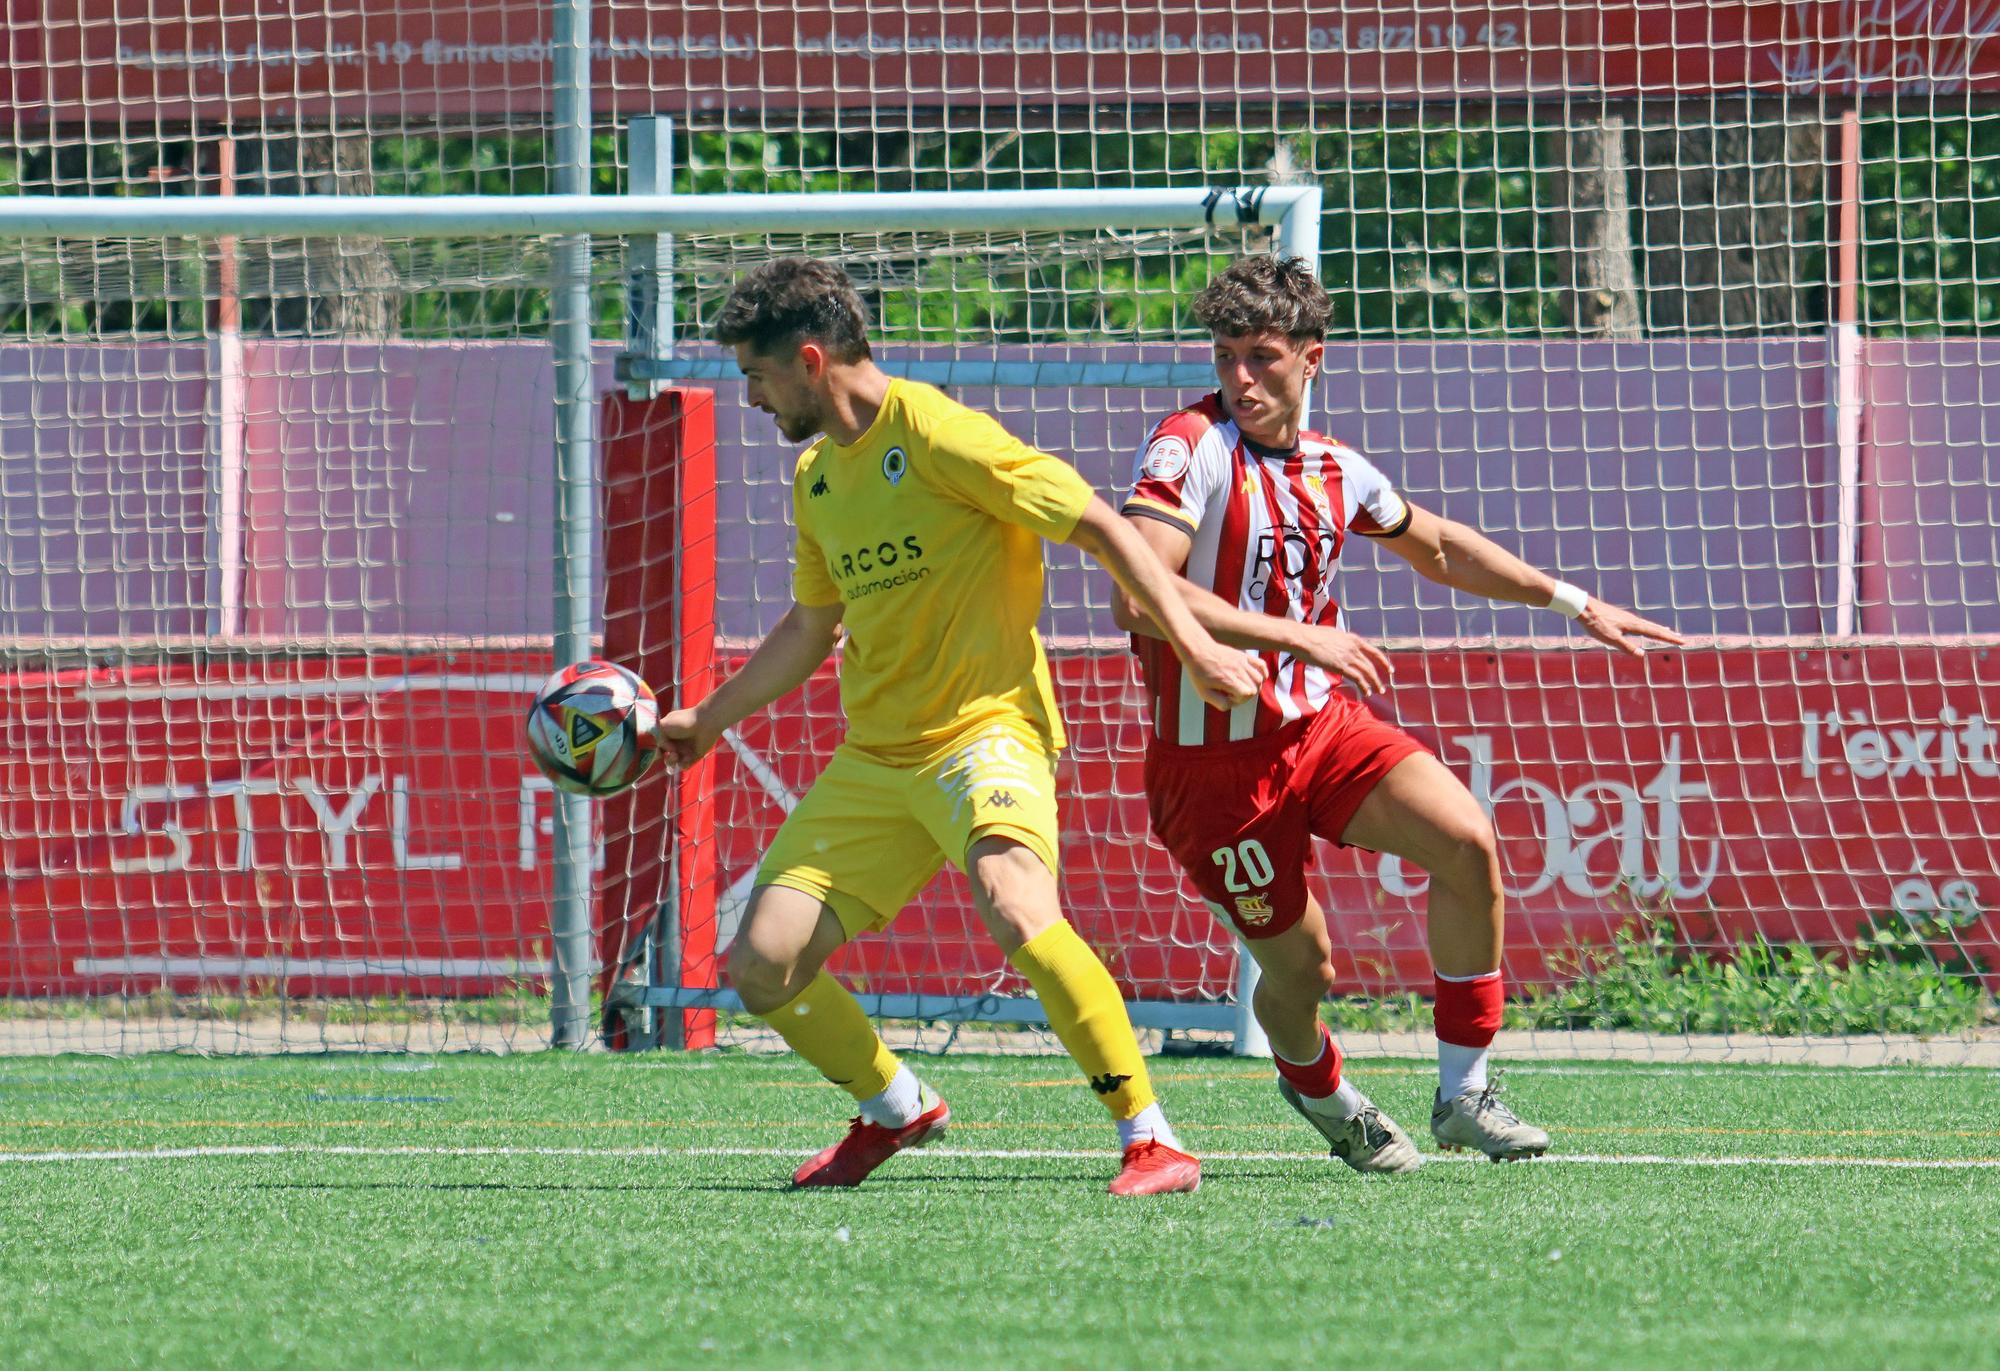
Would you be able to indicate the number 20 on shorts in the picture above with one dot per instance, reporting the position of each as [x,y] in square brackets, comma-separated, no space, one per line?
[1246,859]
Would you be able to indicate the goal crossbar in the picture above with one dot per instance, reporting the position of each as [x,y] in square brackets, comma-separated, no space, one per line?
[463,216]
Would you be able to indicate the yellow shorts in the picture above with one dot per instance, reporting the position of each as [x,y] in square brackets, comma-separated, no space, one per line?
[870,835]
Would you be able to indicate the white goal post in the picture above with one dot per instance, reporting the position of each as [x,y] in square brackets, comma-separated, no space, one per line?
[1291,213]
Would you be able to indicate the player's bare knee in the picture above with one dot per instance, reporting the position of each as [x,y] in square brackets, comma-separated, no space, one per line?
[763,983]
[1013,890]
[1299,992]
[1296,966]
[1470,859]
[1320,980]
[1015,918]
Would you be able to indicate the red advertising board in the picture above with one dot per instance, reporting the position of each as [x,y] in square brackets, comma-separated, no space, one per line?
[413,60]
[348,824]
[1750,791]
[345,824]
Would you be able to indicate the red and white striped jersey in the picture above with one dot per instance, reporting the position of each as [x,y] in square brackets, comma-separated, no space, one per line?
[1267,529]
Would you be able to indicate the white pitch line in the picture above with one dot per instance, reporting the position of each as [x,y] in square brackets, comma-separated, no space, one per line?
[960,1154]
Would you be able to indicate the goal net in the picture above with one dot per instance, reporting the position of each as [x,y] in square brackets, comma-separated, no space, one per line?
[285,597]
[1687,304]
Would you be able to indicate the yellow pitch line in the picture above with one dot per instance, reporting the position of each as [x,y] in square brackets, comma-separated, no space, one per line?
[956,1124]
[561,1124]
[1252,1075]
[400,1123]
[507,1124]
[1054,1083]
[1159,1076]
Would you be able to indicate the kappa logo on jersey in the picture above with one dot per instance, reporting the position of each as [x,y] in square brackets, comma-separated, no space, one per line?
[1167,459]
[895,465]
[1254,910]
[818,487]
[1002,799]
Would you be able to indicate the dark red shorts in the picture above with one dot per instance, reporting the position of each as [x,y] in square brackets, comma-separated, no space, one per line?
[1240,817]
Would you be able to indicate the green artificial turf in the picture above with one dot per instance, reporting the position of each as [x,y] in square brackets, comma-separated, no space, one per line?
[592,1211]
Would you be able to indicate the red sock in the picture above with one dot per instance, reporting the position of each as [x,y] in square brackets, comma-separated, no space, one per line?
[1468,1011]
[1318,1079]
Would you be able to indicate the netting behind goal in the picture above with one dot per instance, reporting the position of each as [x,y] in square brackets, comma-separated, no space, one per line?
[273,599]
[1689,304]
[276,604]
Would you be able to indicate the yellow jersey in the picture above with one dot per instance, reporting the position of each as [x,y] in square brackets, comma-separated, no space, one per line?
[928,529]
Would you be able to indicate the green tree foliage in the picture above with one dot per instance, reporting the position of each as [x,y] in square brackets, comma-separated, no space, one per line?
[1930,221]
[1437,224]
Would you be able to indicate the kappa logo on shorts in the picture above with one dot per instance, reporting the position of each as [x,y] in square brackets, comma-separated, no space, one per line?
[987,764]
[1254,910]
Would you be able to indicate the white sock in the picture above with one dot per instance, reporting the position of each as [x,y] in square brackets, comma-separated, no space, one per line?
[1343,1104]
[1460,1069]
[1148,1125]
[897,1105]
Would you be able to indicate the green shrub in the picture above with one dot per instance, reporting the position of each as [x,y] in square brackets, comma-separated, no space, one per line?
[1894,978]
[1904,973]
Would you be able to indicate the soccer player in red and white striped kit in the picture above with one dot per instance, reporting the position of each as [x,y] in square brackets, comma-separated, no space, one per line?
[1253,510]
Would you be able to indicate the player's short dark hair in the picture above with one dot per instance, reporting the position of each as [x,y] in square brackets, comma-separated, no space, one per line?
[793,300]
[1265,295]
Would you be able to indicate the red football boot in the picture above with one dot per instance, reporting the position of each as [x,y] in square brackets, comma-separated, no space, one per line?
[1153,1168]
[868,1145]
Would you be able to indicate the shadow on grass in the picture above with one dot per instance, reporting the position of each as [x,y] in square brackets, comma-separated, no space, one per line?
[878,1184]
[991,1180]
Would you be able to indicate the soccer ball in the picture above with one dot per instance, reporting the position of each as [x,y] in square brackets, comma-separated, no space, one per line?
[590,728]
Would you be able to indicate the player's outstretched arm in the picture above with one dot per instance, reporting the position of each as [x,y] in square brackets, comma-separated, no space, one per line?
[1223,676]
[789,654]
[1343,653]
[1453,555]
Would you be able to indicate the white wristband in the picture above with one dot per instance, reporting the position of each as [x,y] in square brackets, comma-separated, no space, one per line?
[1568,600]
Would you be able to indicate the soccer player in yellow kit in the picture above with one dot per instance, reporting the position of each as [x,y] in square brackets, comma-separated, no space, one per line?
[920,524]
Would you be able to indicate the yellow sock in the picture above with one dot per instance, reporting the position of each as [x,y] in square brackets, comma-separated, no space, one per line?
[825,1025]
[1086,1012]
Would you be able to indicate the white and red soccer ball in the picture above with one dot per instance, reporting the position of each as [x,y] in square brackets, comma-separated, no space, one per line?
[590,728]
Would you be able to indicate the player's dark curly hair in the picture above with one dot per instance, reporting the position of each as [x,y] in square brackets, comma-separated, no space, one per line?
[1265,295]
[793,300]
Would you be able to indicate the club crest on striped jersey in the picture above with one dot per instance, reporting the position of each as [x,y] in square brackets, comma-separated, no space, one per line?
[1316,483]
[1254,910]
[1167,459]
